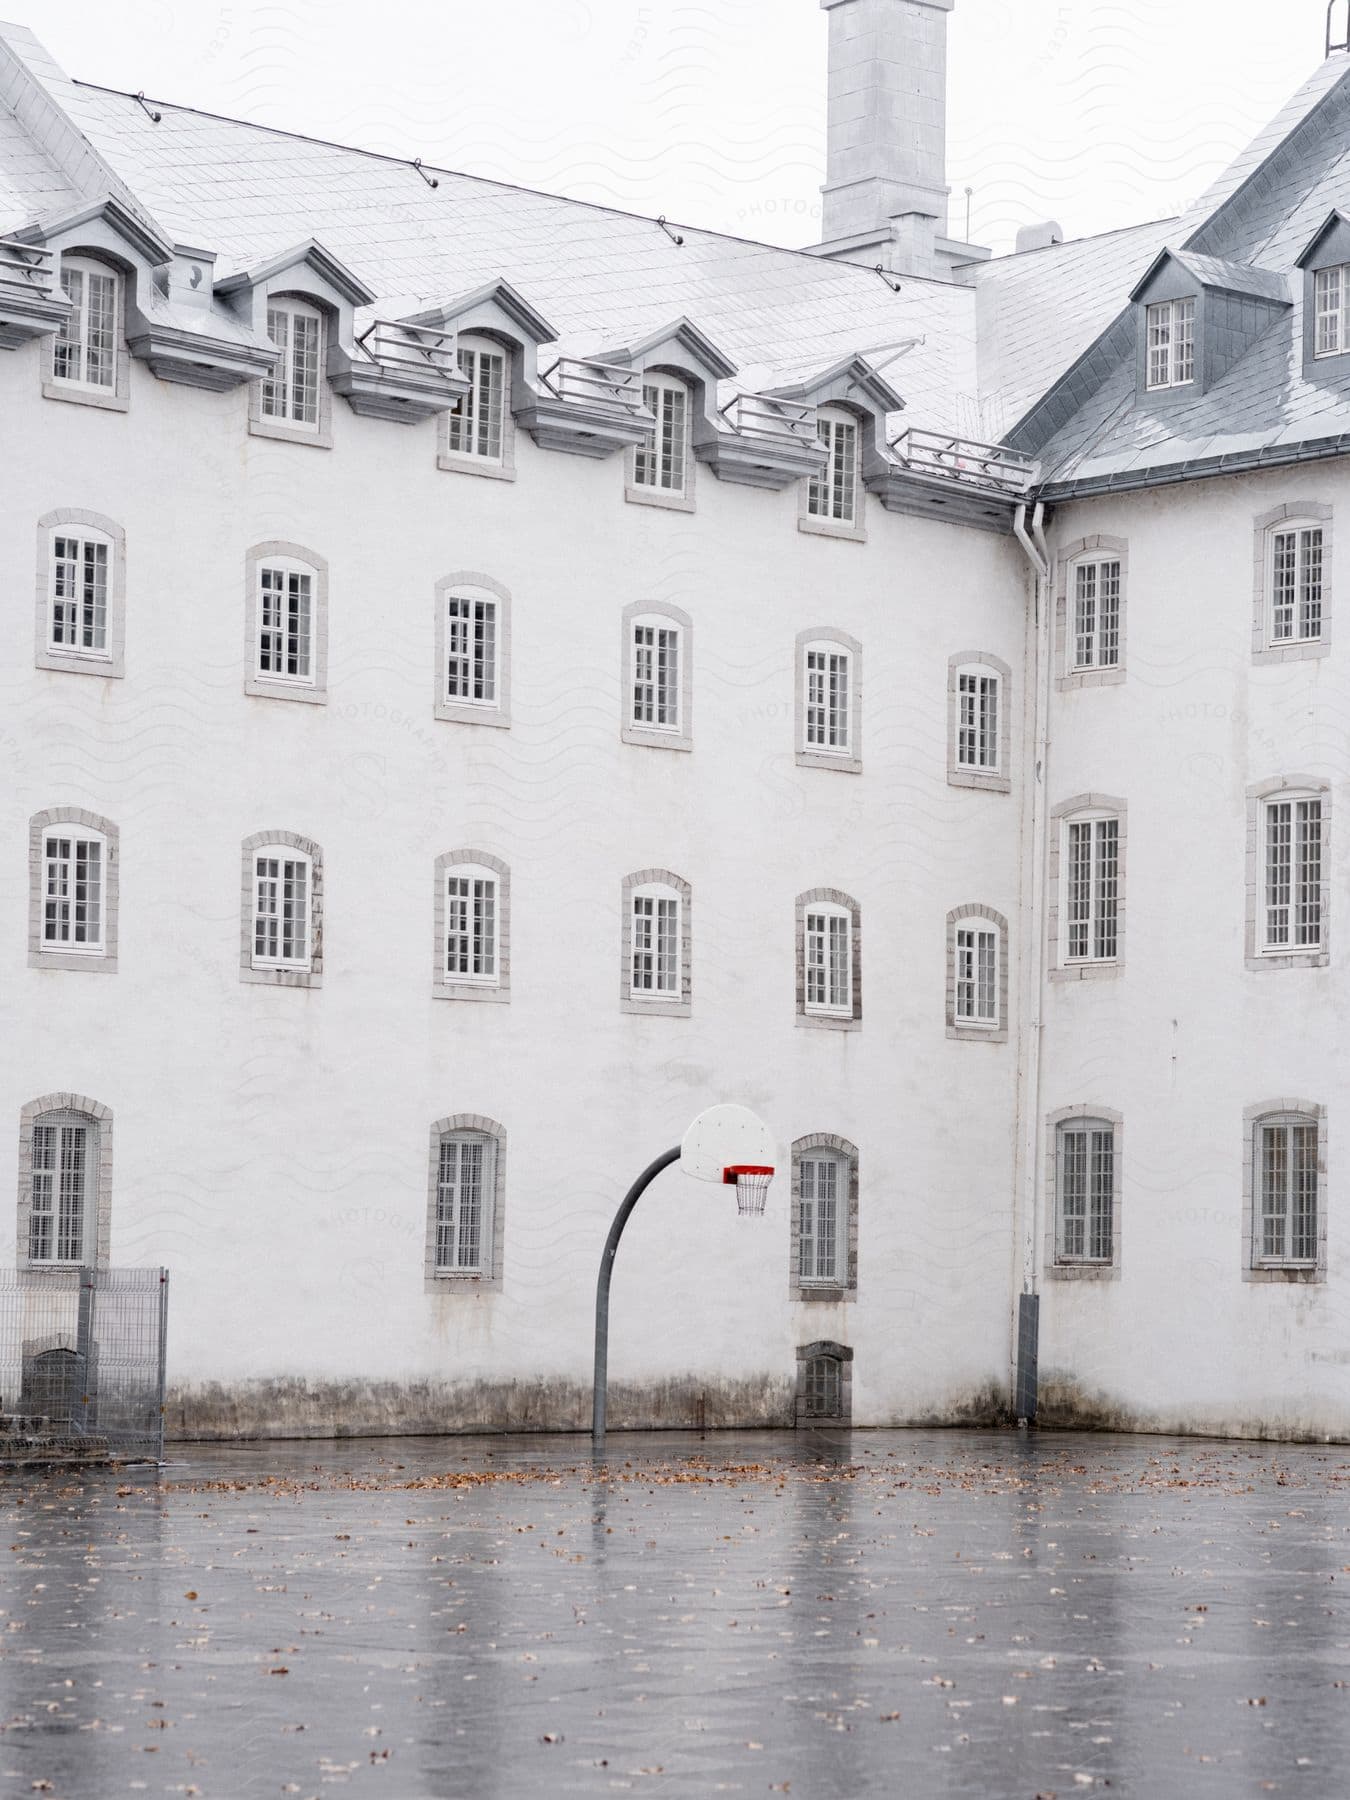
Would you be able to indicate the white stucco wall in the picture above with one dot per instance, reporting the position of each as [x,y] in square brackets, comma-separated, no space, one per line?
[271,1145]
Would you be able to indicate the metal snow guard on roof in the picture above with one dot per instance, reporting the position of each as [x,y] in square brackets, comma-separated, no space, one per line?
[966,461]
[770,421]
[599,386]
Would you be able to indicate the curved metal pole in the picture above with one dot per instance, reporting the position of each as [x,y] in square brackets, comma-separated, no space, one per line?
[630,1200]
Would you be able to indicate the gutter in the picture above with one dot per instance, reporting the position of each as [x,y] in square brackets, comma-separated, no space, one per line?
[1027,1184]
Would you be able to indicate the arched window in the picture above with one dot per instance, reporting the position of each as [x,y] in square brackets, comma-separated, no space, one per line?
[473,625]
[81,626]
[1085,1192]
[657,698]
[73,890]
[1087,884]
[85,352]
[1284,1163]
[824,1227]
[977,974]
[291,393]
[661,466]
[282,912]
[473,899]
[476,425]
[829,960]
[824,1384]
[1289,837]
[466,1202]
[65,1182]
[657,944]
[286,623]
[977,715]
[1293,587]
[833,495]
[829,700]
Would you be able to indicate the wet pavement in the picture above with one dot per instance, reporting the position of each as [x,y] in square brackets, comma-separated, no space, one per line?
[822,1616]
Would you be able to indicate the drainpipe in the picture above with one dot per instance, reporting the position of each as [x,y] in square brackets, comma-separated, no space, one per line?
[1026,1179]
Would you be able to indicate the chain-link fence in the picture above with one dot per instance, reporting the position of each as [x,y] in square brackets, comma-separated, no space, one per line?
[82,1364]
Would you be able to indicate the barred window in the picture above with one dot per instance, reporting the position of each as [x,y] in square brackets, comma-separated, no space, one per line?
[1294,583]
[829,960]
[65,1171]
[1293,907]
[78,593]
[466,1175]
[1085,1191]
[659,462]
[656,651]
[977,721]
[1331,290]
[291,392]
[85,351]
[833,494]
[472,923]
[655,945]
[476,420]
[1286,1160]
[1171,343]
[822,1241]
[286,617]
[1091,898]
[74,877]
[977,982]
[471,638]
[828,699]
[1096,614]
[282,883]
[821,1388]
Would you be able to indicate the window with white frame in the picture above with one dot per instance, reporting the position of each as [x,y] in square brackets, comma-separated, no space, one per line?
[79,593]
[1331,298]
[290,394]
[286,615]
[659,462]
[1094,628]
[829,960]
[822,1218]
[977,974]
[657,650]
[476,423]
[74,881]
[282,897]
[978,697]
[827,683]
[472,926]
[471,649]
[1091,890]
[63,1196]
[1291,916]
[833,494]
[655,972]
[1171,344]
[1085,1192]
[1286,1156]
[1294,583]
[466,1179]
[84,354]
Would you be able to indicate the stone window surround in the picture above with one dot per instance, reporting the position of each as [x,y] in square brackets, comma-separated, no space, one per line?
[104,963]
[815,1292]
[636,613]
[843,1355]
[1296,787]
[442,988]
[312,977]
[455,462]
[460,712]
[71,662]
[657,1007]
[1096,548]
[829,636]
[1295,512]
[101,1117]
[994,781]
[1106,805]
[693,398]
[1252,1268]
[812,523]
[829,1021]
[1055,1269]
[265,687]
[964,1029]
[118,398]
[451,1280]
[320,436]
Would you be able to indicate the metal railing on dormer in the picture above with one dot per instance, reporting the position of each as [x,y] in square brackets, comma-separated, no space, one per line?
[762,419]
[606,387]
[411,350]
[965,460]
[26,269]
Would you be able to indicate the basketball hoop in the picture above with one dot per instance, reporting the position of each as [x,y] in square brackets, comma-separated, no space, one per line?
[751,1181]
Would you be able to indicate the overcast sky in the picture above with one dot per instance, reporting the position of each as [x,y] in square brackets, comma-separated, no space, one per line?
[1096,112]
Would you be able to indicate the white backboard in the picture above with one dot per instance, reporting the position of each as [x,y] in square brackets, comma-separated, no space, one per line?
[723,1137]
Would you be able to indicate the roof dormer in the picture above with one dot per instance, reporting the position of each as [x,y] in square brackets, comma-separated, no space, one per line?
[1195,316]
[1326,300]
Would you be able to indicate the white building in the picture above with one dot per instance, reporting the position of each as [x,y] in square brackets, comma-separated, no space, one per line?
[507,674]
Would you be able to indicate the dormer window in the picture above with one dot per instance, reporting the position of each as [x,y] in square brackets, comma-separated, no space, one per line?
[291,393]
[659,463]
[833,494]
[1331,294]
[475,422]
[1171,344]
[85,352]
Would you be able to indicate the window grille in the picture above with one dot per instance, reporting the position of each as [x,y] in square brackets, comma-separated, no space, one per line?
[1086,1191]
[1293,874]
[821,1388]
[822,1217]
[977,723]
[73,893]
[1092,889]
[1286,1157]
[1296,584]
[1331,294]
[470,927]
[85,351]
[1171,343]
[976,975]
[829,962]
[656,677]
[285,623]
[477,419]
[291,391]
[1096,615]
[281,893]
[64,1156]
[833,493]
[828,684]
[471,650]
[465,1179]
[659,462]
[656,945]
[79,595]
